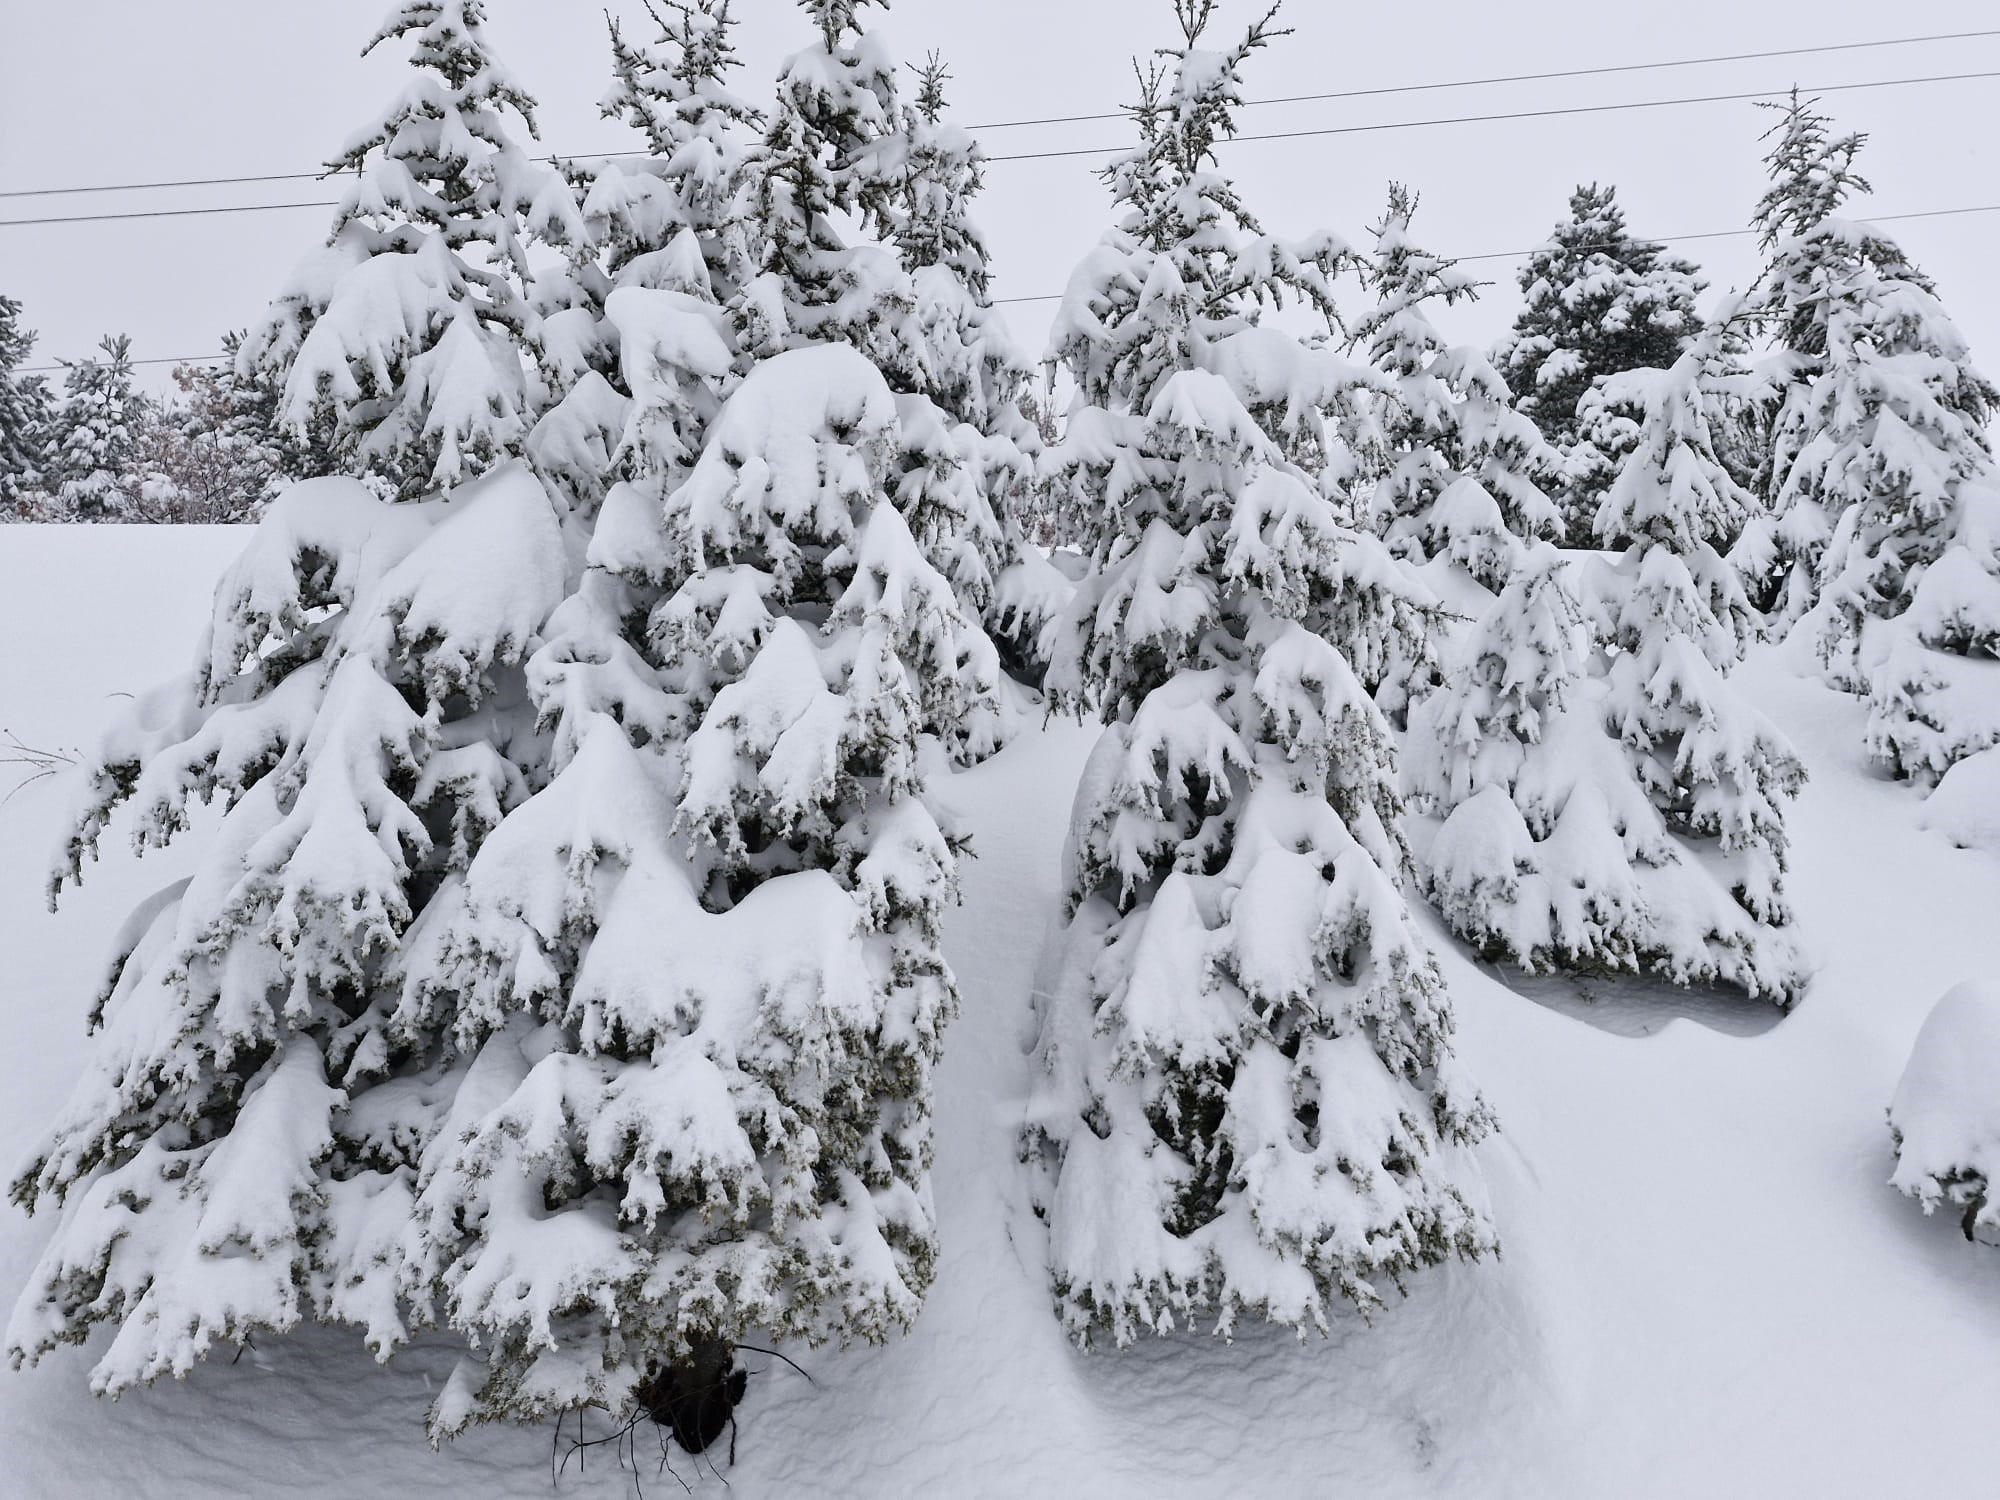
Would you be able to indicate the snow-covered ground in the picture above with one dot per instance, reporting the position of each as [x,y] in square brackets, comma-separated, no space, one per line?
[1707,1287]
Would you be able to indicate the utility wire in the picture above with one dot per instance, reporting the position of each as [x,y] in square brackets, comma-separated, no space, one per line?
[1671,239]
[1668,239]
[1522,114]
[1280,135]
[1467,83]
[1407,88]
[166,213]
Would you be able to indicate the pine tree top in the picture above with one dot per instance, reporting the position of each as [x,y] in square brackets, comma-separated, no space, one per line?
[1595,235]
[1812,171]
[675,89]
[1403,277]
[1186,104]
[441,154]
[16,342]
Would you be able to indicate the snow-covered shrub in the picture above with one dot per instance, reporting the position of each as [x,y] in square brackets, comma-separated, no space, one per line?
[1945,1118]
[1250,1104]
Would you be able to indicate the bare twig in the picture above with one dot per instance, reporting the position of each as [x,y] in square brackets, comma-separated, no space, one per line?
[760,1349]
[40,762]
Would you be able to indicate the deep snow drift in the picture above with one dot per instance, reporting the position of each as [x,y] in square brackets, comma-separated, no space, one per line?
[1707,1284]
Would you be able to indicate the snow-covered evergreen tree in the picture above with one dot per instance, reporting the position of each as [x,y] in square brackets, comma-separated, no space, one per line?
[1464,474]
[700,968]
[406,338]
[1552,849]
[1819,266]
[833,149]
[565,970]
[1595,300]
[680,208]
[1886,508]
[1932,672]
[837,150]
[1620,809]
[673,219]
[24,415]
[240,1152]
[96,433]
[970,483]
[1910,581]
[1250,1103]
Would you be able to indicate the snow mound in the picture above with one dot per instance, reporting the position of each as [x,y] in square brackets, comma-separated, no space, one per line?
[1946,1114]
[1965,808]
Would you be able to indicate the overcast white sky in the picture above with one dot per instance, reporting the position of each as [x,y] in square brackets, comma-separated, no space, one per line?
[96,91]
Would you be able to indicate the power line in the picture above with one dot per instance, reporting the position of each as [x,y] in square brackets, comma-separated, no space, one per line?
[1280,135]
[1522,114]
[165,213]
[1466,83]
[1375,93]
[183,182]
[1670,239]
[184,359]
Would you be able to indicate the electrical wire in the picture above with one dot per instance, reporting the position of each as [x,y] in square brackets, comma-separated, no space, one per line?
[1521,114]
[1667,239]
[1467,83]
[1375,93]
[1113,151]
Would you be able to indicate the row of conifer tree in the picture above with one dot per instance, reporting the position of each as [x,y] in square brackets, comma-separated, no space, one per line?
[561,963]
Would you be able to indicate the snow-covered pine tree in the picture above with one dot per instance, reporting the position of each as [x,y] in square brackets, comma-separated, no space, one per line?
[1463,473]
[1819,265]
[454,1022]
[1595,300]
[833,149]
[1910,580]
[24,416]
[836,150]
[406,336]
[96,434]
[972,482]
[680,208]
[240,1152]
[700,968]
[1550,851]
[1675,620]
[703,974]
[243,1150]
[674,219]
[1250,1104]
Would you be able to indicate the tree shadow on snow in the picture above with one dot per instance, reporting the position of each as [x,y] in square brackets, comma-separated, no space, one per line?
[1439,1387]
[1637,1005]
